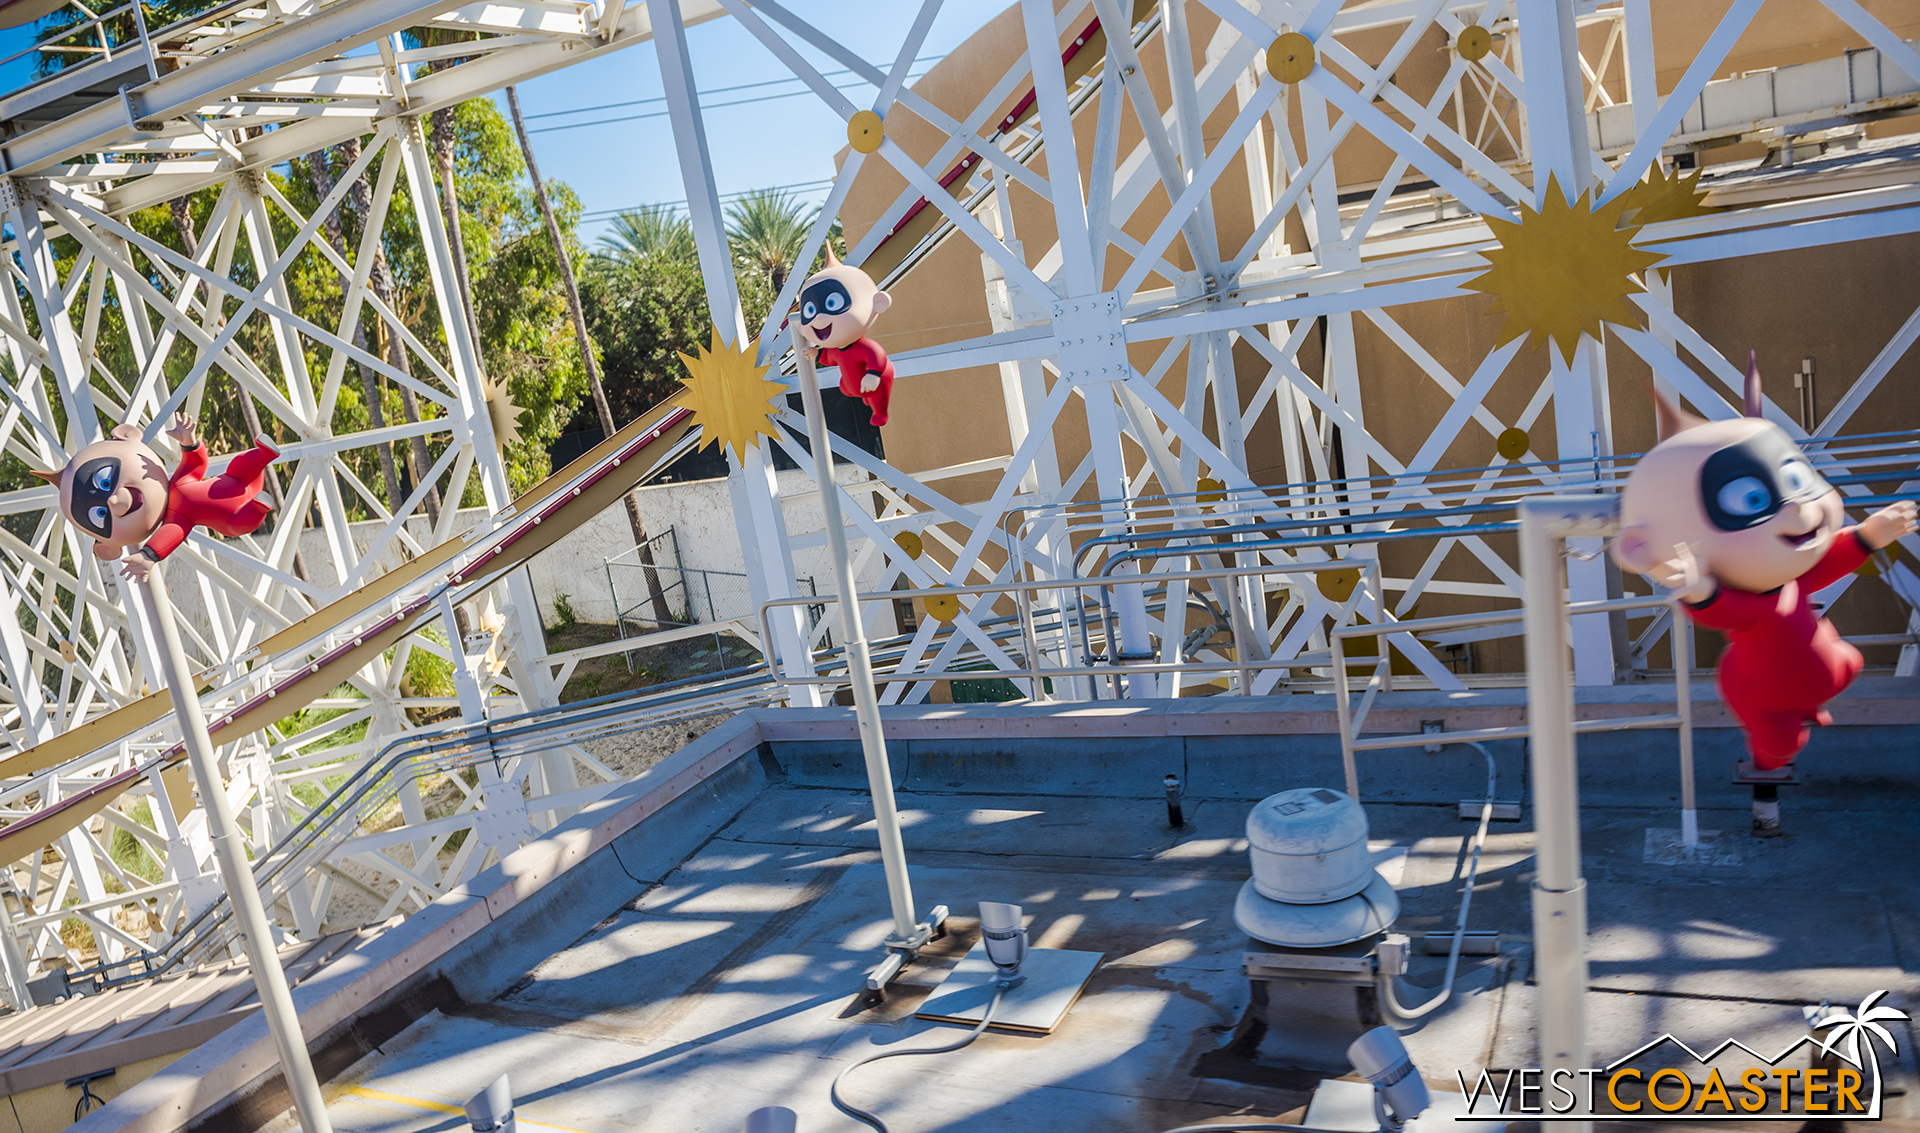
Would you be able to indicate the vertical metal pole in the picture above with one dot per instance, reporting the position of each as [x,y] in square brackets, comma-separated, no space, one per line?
[866,703]
[1343,711]
[1242,632]
[1681,641]
[230,850]
[1559,892]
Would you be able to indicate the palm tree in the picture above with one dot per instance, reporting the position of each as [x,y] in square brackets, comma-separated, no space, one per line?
[1847,1030]
[649,231]
[766,229]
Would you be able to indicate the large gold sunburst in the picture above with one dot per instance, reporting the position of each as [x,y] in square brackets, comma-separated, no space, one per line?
[731,399]
[1564,270]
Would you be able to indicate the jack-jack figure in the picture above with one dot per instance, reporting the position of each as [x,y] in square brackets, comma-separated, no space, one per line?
[1730,517]
[118,491]
[838,306]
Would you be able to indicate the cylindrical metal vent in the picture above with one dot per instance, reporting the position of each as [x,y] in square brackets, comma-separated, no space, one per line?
[1309,846]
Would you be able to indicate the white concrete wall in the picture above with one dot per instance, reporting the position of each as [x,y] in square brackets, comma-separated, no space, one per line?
[702,519]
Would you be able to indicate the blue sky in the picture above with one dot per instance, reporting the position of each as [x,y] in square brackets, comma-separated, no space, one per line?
[760,141]
[626,157]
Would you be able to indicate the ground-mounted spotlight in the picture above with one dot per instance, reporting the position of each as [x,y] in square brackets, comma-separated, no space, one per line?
[1005,935]
[1399,1094]
[491,1110]
[1029,989]
[773,1119]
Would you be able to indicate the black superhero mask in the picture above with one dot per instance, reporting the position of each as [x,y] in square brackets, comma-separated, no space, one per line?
[827,297]
[93,483]
[1746,484]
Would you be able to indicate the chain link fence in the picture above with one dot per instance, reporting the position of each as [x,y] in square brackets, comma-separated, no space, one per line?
[649,598]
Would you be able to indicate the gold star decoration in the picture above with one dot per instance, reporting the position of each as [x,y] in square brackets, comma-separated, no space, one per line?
[731,399]
[503,413]
[1664,196]
[1563,271]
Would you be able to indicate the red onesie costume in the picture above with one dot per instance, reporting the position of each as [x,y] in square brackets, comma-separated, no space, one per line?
[224,505]
[1782,663]
[857,360]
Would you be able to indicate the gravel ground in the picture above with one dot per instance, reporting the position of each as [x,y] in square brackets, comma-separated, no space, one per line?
[634,752]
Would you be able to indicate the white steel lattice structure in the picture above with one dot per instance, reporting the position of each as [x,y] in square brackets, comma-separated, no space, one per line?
[1140,355]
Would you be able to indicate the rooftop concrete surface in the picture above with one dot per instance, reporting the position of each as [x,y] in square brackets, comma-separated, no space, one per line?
[731,980]
[694,944]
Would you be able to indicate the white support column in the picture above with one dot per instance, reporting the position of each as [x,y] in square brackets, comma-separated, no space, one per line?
[13,960]
[1549,47]
[1578,431]
[751,482]
[1077,319]
[1556,111]
[464,353]
[1638,57]
[1341,374]
[269,978]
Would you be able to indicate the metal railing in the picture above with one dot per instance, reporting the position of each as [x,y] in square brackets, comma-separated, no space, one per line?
[1352,722]
[377,781]
[1035,673]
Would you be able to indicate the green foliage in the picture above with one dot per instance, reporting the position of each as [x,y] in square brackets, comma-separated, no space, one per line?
[309,718]
[643,312]
[766,230]
[651,231]
[429,674]
[129,853]
[564,617]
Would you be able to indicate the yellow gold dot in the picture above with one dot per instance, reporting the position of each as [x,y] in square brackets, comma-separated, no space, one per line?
[909,542]
[1290,58]
[1338,585]
[943,607]
[1512,443]
[1209,491]
[865,131]
[1473,43]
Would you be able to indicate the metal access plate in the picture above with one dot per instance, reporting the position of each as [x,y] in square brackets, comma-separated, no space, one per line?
[1743,773]
[1055,979]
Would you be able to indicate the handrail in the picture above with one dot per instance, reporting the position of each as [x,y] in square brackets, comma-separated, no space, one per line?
[368,786]
[1034,673]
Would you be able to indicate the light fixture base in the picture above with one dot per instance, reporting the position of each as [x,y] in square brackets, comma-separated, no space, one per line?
[1347,1107]
[1053,980]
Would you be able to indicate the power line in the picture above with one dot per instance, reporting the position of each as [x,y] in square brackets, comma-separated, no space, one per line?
[605,214]
[664,113]
[715,90]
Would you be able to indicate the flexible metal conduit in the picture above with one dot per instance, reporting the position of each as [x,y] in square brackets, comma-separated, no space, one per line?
[1388,997]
